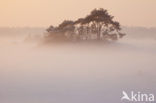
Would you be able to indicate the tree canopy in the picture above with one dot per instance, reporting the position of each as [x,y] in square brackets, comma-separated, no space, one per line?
[98,25]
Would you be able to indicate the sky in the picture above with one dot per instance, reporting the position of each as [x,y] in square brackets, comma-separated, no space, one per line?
[42,13]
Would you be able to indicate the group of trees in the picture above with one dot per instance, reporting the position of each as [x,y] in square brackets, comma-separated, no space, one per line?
[98,25]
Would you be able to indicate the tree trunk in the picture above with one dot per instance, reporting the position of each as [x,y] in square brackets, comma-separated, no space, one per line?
[98,35]
[99,32]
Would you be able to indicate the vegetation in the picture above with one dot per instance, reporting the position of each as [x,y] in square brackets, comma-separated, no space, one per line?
[98,25]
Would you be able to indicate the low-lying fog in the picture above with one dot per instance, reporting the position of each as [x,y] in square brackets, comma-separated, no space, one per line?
[75,73]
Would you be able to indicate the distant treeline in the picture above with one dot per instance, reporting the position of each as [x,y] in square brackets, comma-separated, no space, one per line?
[98,25]
[18,31]
[140,32]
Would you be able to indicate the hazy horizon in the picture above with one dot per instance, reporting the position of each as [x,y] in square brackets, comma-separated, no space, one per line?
[42,13]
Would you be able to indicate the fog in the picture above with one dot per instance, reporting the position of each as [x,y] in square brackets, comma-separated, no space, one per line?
[31,72]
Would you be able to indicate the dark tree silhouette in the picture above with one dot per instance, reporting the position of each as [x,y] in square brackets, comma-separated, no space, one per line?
[102,24]
[97,25]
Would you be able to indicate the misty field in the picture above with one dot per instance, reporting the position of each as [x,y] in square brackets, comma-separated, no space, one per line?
[75,73]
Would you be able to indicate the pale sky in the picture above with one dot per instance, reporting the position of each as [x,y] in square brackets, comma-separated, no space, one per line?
[19,13]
